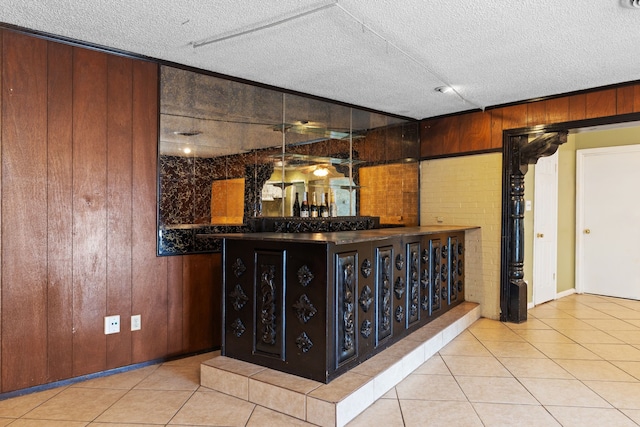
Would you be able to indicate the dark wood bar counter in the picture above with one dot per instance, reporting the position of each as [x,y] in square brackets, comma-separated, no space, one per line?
[317,304]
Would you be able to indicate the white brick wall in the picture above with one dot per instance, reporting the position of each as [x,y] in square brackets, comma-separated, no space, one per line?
[467,191]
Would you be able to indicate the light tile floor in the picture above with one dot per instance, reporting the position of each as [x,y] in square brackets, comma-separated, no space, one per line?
[575,362]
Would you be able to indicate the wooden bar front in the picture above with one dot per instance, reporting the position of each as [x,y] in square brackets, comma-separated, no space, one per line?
[317,304]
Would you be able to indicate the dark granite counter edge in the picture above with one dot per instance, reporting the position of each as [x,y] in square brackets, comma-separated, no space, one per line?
[342,237]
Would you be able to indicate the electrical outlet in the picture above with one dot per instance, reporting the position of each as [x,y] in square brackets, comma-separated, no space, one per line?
[136,322]
[112,324]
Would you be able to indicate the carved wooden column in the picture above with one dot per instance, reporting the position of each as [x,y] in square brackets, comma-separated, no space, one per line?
[518,156]
[517,311]
[255,177]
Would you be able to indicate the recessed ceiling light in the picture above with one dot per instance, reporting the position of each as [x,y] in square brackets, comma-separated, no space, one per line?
[444,89]
[186,150]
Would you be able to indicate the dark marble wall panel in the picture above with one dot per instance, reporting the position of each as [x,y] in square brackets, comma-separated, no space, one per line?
[235,165]
[204,171]
[176,201]
[217,168]
[176,190]
[183,239]
[174,241]
[185,188]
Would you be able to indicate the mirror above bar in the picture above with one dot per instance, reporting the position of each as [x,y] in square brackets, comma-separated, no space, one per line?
[233,156]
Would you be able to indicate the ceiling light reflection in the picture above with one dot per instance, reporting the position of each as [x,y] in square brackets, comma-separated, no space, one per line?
[321,172]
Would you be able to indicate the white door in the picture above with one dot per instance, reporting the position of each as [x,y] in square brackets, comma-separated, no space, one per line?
[608,221]
[545,229]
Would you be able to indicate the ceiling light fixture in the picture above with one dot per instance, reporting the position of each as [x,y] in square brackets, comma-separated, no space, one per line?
[634,4]
[321,172]
[186,150]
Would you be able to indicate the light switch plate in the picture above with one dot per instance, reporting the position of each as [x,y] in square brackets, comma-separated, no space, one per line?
[136,322]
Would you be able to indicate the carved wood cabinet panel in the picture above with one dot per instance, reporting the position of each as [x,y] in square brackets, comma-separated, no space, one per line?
[317,309]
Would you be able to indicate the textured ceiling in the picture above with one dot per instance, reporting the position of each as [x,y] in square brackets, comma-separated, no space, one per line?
[386,55]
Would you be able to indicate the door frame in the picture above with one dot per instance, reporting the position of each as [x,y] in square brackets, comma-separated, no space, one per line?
[511,241]
[580,158]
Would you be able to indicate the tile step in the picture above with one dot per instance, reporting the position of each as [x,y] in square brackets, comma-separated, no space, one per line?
[340,401]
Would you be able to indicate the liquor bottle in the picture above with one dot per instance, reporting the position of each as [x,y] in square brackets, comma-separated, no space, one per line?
[324,208]
[333,208]
[296,206]
[304,209]
[314,206]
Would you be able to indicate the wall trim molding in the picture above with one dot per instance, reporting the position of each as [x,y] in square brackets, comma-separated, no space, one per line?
[566,293]
[100,374]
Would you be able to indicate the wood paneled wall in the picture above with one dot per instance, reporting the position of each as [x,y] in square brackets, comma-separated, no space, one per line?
[78,187]
[478,131]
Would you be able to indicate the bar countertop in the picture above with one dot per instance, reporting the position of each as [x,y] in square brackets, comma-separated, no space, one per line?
[343,237]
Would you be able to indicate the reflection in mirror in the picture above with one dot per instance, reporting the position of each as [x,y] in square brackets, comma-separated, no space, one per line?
[232,154]
[306,181]
[210,130]
[318,139]
[227,201]
[389,173]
